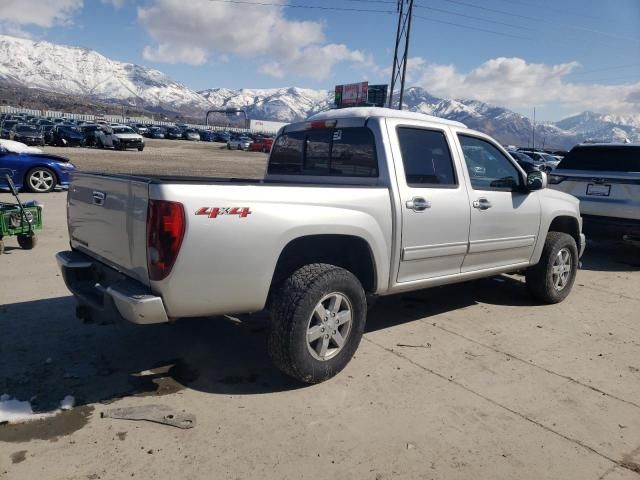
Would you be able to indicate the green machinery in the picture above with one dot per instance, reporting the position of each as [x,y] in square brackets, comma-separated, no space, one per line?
[18,219]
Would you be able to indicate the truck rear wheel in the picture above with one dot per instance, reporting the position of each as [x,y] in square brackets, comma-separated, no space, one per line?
[317,321]
[551,280]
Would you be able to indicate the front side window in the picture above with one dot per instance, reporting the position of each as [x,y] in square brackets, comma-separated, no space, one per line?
[488,167]
[426,158]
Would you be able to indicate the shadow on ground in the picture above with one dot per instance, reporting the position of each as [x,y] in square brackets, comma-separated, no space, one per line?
[47,353]
[611,256]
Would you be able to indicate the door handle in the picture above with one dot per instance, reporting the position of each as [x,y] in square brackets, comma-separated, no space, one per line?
[482,204]
[418,204]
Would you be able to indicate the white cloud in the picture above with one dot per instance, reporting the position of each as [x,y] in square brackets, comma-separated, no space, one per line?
[318,61]
[515,83]
[13,30]
[117,4]
[39,13]
[204,29]
[168,53]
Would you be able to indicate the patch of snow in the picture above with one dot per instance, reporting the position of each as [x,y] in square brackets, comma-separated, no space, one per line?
[16,411]
[67,402]
[18,147]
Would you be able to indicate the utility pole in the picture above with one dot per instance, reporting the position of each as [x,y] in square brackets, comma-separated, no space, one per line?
[533,133]
[400,56]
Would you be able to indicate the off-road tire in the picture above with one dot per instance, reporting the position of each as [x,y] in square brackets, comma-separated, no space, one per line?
[539,278]
[26,241]
[292,306]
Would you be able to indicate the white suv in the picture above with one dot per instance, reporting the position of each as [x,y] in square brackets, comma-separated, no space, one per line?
[606,180]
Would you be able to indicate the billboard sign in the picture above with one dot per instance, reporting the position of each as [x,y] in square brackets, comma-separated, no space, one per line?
[355,93]
[360,94]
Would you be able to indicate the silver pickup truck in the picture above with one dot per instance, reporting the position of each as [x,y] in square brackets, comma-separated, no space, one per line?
[355,203]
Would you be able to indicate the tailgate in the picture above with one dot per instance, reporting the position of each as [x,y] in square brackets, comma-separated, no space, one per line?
[107,220]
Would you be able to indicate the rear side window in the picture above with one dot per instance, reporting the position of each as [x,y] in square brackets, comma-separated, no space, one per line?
[612,159]
[344,152]
[426,158]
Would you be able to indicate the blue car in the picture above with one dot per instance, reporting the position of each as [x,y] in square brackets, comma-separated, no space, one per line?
[207,136]
[35,172]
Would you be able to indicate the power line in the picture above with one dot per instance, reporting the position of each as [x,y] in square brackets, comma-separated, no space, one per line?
[450,12]
[392,2]
[625,77]
[312,7]
[478,29]
[551,9]
[603,69]
[541,20]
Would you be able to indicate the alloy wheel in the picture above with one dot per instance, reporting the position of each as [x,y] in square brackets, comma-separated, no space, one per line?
[329,326]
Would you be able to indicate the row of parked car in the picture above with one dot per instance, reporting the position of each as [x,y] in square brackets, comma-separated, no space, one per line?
[535,160]
[39,131]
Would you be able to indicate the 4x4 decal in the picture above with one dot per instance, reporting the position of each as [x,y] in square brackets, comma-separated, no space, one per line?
[214,212]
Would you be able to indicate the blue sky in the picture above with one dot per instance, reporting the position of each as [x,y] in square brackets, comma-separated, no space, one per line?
[562,56]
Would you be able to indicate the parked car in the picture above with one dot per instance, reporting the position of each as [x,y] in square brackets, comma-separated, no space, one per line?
[525,161]
[239,143]
[89,131]
[27,134]
[156,132]
[66,136]
[140,128]
[33,170]
[173,133]
[119,137]
[191,134]
[262,144]
[336,219]
[207,135]
[5,128]
[606,180]
[542,160]
[47,132]
[222,137]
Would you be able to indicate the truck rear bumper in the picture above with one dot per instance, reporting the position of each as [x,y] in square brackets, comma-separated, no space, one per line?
[102,291]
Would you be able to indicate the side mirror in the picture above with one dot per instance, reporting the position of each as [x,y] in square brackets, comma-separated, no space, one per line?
[536,180]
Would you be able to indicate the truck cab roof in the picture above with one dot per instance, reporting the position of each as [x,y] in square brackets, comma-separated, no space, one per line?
[379,112]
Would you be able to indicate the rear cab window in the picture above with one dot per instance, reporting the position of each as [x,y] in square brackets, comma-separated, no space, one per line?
[336,152]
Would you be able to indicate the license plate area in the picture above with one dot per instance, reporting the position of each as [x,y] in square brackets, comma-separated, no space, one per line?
[598,190]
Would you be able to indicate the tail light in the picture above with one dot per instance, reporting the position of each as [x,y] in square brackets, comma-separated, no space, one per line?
[556,179]
[165,230]
[321,124]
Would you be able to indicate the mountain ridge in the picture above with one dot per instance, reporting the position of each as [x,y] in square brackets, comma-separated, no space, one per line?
[85,73]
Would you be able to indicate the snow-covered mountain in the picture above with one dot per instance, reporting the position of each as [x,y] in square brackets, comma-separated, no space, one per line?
[79,71]
[278,104]
[85,73]
[597,126]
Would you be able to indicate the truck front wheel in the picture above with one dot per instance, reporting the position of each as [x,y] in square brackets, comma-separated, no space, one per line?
[317,320]
[550,281]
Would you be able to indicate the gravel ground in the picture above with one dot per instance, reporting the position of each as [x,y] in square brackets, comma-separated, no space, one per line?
[173,157]
[472,381]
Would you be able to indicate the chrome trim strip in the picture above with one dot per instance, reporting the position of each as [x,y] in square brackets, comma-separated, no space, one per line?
[491,244]
[432,251]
